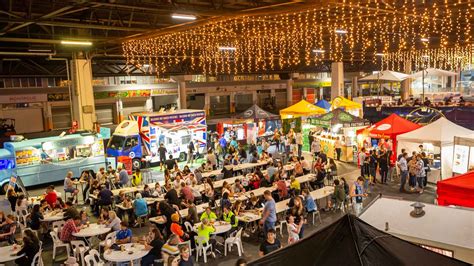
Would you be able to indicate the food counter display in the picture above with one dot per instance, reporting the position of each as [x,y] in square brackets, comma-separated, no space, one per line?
[348,144]
[45,160]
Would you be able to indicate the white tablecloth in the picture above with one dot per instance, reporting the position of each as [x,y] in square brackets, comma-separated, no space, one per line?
[130,254]
[52,218]
[158,219]
[92,230]
[5,254]
[221,227]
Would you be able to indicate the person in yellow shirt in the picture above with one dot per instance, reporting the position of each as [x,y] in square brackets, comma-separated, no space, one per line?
[204,231]
[294,184]
[209,215]
[229,217]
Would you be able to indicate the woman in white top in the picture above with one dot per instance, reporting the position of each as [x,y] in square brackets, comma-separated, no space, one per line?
[293,230]
[113,222]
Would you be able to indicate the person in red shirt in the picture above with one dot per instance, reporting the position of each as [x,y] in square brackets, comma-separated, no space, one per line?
[51,196]
[176,227]
[186,192]
[71,226]
[282,188]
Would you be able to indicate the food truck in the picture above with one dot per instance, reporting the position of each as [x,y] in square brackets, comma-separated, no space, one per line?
[45,160]
[140,137]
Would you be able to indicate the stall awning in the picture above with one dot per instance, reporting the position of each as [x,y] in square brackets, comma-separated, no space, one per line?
[302,108]
[440,132]
[323,104]
[256,113]
[341,117]
[433,72]
[457,191]
[341,102]
[387,76]
[390,127]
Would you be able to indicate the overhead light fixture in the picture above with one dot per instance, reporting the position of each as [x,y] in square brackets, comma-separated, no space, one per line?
[11,59]
[183,16]
[425,56]
[319,51]
[379,54]
[146,65]
[424,39]
[227,48]
[340,31]
[80,43]
[40,50]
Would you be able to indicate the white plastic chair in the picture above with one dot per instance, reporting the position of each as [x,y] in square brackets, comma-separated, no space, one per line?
[57,243]
[57,226]
[79,248]
[279,226]
[109,240]
[22,215]
[93,259]
[37,259]
[319,216]
[188,226]
[234,239]
[202,248]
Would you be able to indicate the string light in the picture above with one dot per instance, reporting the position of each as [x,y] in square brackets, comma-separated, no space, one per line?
[348,30]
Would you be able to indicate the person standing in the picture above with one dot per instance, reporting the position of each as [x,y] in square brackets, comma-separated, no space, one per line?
[269,213]
[315,147]
[362,156]
[383,165]
[123,176]
[69,186]
[357,194]
[420,172]
[191,152]
[162,152]
[299,143]
[338,148]
[403,165]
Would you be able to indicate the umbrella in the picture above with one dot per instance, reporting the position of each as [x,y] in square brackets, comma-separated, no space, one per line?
[386,75]
[433,72]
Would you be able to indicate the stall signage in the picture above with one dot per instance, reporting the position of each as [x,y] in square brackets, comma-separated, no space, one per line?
[63,143]
[158,92]
[23,98]
[461,159]
[6,164]
[122,94]
[175,117]
[105,132]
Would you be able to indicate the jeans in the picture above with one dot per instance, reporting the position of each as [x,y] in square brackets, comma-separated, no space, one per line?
[267,226]
[148,260]
[420,181]
[84,193]
[412,181]
[300,150]
[403,180]
[301,232]
[338,154]
[383,175]
[357,207]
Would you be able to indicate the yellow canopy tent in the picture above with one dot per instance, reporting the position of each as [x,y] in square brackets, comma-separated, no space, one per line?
[349,106]
[302,108]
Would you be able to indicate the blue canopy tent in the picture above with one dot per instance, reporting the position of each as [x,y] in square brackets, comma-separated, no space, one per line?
[323,104]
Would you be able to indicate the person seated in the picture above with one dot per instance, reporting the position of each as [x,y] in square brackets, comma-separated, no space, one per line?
[50,196]
[192,216]
[209,215]
[31,246]
[254,181]
[237,208]
[271,243]
[170,248]
[229,217]
[8,229]
[136,178]
[104,198]
[227,188]
[186,259]
[295,184]
[153,246]
[208,166]
[36,217]
[72,225]
[104,215]
[282,188]
[254,203]
[70,211]
[227,170]
[84,218]
[69,185]
[172,196]
[309,203]
[298,169]
[176,227]
[21,203]
[147,192]
[127,209]
[158,190]
[225,201]
[238,187]
[113,222]
[124,235]
[186,170]
[205,231]
[339,194]
[122,177]
[265,181]
[186,193]
[140,206]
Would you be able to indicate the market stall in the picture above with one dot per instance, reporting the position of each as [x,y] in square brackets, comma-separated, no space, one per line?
[437,139]
[458,190]
[323,104]
[260,123]
[301,109]
[384,130]
[45,160]
[463,159]
[347,105]
[341,126]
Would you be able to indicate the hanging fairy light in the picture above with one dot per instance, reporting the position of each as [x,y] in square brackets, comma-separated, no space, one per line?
[347,30]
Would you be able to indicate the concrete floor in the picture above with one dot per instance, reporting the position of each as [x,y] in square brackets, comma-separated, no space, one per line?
[349,171]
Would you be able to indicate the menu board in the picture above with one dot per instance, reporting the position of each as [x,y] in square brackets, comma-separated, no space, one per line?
[461,159]
[29,156]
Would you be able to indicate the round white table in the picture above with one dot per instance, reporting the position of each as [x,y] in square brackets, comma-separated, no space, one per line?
[6,254]
[53,217]
[221,227]
[158,219]
[92,230]
[129,255]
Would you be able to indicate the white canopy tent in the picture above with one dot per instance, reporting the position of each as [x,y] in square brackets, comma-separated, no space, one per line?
[441,135]
[387,76]
[433,72]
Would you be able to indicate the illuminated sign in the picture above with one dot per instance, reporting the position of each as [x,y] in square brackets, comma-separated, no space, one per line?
[6,164]
[64,143]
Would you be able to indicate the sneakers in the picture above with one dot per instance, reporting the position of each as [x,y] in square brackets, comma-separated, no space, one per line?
[245,234]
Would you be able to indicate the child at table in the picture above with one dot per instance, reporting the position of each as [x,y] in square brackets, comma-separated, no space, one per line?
[124,235]
[293,230]
[84,218]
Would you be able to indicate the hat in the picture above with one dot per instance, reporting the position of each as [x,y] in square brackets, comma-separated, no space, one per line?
[175,217]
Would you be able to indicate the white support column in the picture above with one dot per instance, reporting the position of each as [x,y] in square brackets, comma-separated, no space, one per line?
[355,87]
[406,84]
[305,93]
[337,79]
[83,94]
[207,103]
[182,95]
[254,97]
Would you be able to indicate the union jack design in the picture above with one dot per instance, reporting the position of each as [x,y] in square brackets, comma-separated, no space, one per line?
[143,129]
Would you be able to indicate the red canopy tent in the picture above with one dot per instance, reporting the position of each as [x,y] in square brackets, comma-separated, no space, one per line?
[389,128]
[457,191]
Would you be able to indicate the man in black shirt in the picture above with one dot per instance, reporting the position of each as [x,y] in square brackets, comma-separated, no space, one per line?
[162,152]
[172,196]
[170,163]
[105,198]
[271,243]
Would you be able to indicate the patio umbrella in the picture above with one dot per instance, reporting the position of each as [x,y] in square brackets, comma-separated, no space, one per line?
[386,75]
[432,72]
